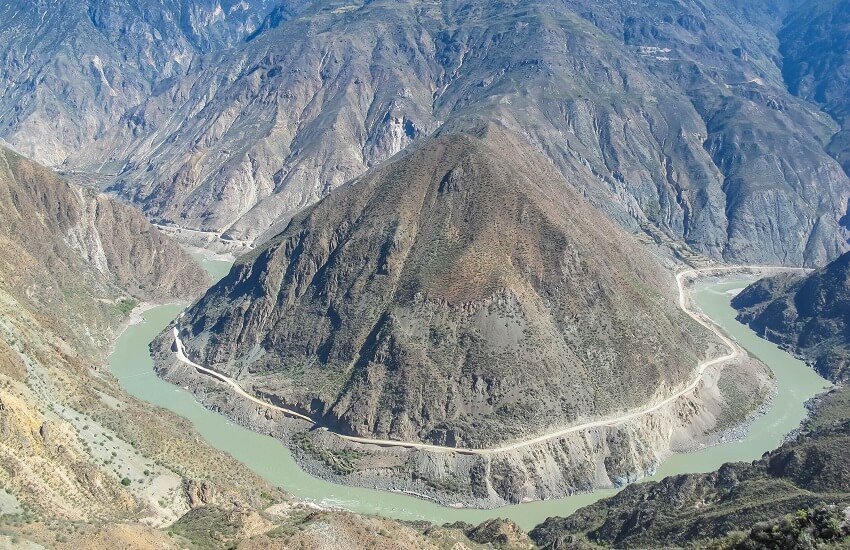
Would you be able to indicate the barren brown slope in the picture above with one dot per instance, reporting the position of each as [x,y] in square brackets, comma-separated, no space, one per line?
[71,263]
[66,250]
[460,295]
[83,464]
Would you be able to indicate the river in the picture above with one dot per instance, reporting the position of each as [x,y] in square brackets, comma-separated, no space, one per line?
[131,364]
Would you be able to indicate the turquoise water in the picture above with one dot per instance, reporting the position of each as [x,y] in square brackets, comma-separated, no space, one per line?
[216,268]
[132,365]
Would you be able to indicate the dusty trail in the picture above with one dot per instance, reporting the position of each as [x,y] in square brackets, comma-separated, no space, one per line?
[735,351]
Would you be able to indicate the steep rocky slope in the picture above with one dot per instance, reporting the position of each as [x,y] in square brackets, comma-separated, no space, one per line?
[72,263]
[665,114]
[810,315]
[436,298]
[816,63]
[65,246]
[69,70]
[84,465]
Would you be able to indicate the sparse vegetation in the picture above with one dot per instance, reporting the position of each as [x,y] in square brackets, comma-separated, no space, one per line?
[126,305]
[342,462]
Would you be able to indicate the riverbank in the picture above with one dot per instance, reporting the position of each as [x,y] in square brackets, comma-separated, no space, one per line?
[270,459]
[451,481]
[685,303]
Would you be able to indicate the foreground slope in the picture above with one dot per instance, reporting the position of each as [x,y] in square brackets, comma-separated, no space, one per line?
[73,263]
[692,509]
[810,315]
[459,295]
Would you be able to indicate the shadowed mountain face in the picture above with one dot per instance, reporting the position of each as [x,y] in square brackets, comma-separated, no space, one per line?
[440,297]
[667,114]
[816,63]
[810,315]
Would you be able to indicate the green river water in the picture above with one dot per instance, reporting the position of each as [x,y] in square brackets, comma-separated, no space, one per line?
[132,365]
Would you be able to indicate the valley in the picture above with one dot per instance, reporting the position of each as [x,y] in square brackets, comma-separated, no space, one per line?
[444,274]
[274,462]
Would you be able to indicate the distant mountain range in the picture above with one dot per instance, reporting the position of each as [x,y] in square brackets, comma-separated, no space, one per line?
[676,116]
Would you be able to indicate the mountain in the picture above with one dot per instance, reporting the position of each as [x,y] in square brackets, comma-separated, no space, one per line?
[73,252]
[674,117]
[70,70]
[435,298]
[809,315]
[816,63]
[73,263]
[83,464]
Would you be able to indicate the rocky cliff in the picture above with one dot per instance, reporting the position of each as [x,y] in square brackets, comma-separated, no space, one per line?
[816,63]
[71,253]
[809,315]
[69,70]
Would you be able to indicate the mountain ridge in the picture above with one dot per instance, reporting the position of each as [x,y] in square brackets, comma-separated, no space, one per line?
[294,113]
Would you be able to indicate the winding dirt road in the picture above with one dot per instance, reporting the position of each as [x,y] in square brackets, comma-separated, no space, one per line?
[735,351]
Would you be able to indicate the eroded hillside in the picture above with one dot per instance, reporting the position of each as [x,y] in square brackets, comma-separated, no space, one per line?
[810,315]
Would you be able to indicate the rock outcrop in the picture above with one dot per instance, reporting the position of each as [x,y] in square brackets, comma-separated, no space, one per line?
[809,315]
